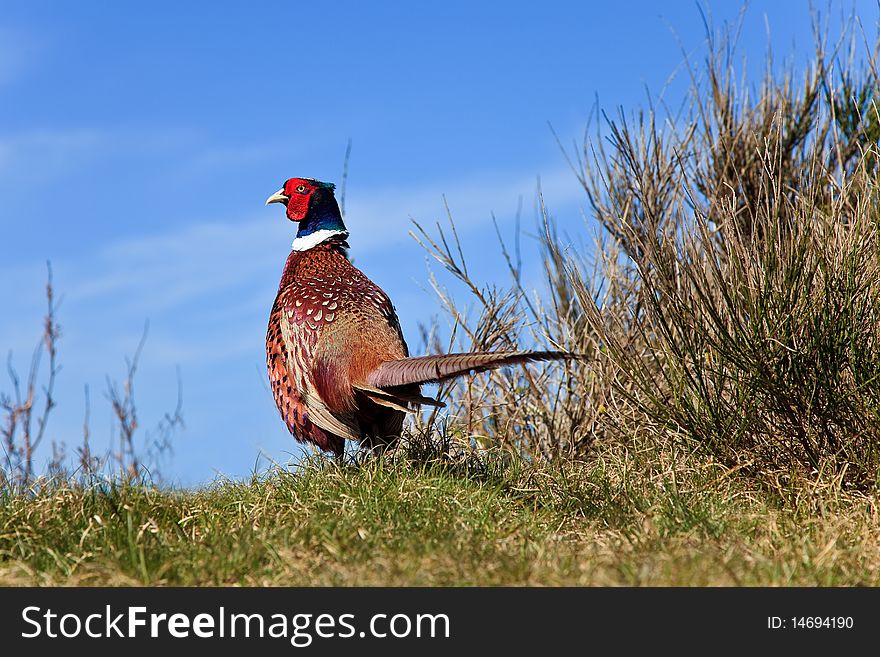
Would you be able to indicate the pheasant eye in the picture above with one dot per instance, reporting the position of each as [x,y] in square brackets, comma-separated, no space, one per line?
[301,189]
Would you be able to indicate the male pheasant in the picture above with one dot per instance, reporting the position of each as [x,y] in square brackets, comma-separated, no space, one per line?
[338,363]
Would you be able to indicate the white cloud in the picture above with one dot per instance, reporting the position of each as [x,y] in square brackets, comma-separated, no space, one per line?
[38,154]
[46,151]
[187,262]
[209,159]
[17,52]
[386,216]
[213,280]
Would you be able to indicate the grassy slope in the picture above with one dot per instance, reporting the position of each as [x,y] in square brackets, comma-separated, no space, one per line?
[629,516]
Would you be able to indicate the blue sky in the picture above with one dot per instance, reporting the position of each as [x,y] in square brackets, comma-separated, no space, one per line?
[138,142]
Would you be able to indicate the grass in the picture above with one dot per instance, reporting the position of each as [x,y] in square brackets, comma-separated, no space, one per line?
[628,516]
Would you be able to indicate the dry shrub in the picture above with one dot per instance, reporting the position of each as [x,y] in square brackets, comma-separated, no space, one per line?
[734,296]
[134,454]
[749,235]
[543,410]
[26,410]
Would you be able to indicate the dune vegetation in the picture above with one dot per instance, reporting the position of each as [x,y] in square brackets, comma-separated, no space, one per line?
[723,427]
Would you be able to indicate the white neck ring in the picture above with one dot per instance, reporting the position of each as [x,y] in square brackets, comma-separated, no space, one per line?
[306,242]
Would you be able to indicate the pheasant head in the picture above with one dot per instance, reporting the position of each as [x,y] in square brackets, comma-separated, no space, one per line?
[312,205]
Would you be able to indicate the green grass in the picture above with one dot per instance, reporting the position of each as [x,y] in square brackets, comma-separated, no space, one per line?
[629,516]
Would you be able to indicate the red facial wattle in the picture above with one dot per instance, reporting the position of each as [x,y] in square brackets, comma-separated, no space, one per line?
[298,191]
[298,206]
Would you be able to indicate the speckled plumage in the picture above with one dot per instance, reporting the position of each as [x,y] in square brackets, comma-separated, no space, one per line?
[330,327]
[338,363]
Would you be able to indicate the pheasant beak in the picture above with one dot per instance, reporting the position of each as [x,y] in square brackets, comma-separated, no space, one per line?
[278,197]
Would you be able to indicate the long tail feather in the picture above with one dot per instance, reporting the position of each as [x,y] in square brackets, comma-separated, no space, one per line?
[401,399]
[433,369]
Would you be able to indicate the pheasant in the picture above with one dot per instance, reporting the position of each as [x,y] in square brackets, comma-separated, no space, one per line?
[338,363]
